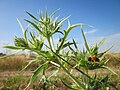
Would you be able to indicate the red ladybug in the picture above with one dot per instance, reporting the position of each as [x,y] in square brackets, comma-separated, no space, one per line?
[93,59]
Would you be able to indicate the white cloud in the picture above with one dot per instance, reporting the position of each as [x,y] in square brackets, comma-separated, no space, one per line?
[114,40]
[117,35]
[90,32]
[111,40]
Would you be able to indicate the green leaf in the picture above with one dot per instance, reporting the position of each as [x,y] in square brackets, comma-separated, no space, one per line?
[101,43]
[9,55]
[53,74]
[95,76]
[66,34]
[85,41]
[75,44]
[24,31]
[25,34]
[32,16]
[95,50]
[42,22]
[105,79]
[60,22]
[71,27]
[20,42]
[55,64]
[108,49]
[69,23]
[55,21]
[103,53]
[71,49]
[34,25]
[37,71]
[68,86]
[47,17]
[66,44]
[54,13]
[20,25]
[32,36]
[13,47]
[30,62]
[109,69]
[60,32]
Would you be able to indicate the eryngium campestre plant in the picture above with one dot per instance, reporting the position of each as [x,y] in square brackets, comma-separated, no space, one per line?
[51,54]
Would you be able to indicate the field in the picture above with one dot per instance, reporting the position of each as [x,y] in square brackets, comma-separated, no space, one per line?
[12,78]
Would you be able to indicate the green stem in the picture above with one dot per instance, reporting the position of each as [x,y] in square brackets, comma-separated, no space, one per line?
[86,79]
[53,45]
[70,64]
[44,83]
[49,43]
[72,77]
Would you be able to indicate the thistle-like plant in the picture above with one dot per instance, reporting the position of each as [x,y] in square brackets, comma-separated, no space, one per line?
[90,58]
[51,54]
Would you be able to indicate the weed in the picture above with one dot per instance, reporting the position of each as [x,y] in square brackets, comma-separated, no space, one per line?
[89,59]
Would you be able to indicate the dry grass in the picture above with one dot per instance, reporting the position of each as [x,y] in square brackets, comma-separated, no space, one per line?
[114,61]
[16,63]
[10,67]
[13,63]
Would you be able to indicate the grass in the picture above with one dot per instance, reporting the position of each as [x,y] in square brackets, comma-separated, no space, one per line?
[12,79]
[114,61]
[15,63]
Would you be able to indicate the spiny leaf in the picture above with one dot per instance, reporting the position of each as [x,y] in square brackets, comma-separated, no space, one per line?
[75,44]
[20,25]
[47,17]
[55,64]
[60,22]
[32,16]
[76,25]
[55,21]
[9,55]
[66,44]
[32,36]
[20,42]
[68,23]
[60,32]
[25,34]
[53,74]
[54,13]
[13,47]
[73,26]
[101,54]
[30,62]
[109,69]
[101,43]
[68,86]
[34,25]
[105,79]
[66,34]
[37,71]
[85,41]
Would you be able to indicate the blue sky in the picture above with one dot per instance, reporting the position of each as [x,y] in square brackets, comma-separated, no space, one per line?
[104,15]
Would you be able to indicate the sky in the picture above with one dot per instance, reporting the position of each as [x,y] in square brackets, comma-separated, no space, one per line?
[104,15]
